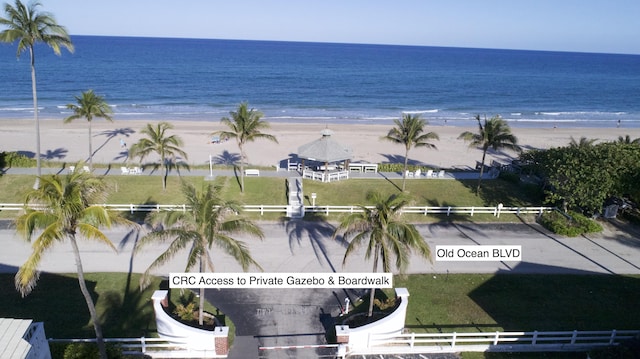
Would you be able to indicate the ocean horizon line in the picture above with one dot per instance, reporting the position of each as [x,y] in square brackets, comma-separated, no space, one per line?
[355,44]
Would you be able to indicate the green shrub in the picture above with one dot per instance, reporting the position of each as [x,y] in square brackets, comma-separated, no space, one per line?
[509,177]
[15,159]
[399,167]
[86,350]
[574,226]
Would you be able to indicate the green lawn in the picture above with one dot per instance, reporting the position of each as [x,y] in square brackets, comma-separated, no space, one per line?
[272,191]
[125,310]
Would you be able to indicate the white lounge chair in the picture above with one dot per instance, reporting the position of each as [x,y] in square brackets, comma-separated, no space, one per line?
[429,173]
[408,174]
[86,169]
[72,169]
[125,170]
[136,171]
[418,173]
[441,174]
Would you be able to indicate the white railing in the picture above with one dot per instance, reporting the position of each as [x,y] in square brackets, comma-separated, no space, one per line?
[263,208]
[497,341]
[448,210]
[152,347]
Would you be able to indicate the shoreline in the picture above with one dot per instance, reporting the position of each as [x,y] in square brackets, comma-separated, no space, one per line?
[69,142]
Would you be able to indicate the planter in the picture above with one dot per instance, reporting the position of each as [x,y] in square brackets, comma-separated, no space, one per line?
[179,333]
[390,325]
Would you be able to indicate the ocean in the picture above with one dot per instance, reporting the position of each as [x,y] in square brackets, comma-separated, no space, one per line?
[194,79]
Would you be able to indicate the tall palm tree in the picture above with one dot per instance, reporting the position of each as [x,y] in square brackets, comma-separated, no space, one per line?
[27,25]
[494,133]
[159,142]
[410,133]
[209,221]
[89,105]
[61,209]
[245,126]
[384,233]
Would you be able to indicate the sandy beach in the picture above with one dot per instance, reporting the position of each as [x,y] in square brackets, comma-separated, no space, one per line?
[69,142]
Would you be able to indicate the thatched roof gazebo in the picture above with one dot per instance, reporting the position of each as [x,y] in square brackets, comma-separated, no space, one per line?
[328,153]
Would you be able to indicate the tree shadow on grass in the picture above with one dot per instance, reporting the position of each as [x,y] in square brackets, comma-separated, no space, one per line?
[560,301]
[56,300]
[494,191]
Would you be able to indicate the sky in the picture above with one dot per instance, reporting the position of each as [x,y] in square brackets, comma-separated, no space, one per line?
[608,26]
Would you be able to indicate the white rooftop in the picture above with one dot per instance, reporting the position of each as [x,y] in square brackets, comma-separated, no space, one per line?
[12,344]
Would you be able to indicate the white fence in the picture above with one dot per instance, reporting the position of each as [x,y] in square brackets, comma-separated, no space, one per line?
[564,341]
[262,209]
[152,347]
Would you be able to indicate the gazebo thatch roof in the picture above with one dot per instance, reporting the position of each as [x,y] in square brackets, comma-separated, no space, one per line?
[325,149]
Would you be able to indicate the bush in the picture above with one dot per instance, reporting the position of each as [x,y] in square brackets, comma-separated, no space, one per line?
[509,177]
[399,167]
[574,226]
[83,350]
[15,159]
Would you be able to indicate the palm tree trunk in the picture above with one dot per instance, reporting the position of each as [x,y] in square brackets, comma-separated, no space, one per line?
[372,296]
[90,149]
[406,163]
[484,154]
[166,173]
[87,297]
[242,156]
[201,304]
[35,116]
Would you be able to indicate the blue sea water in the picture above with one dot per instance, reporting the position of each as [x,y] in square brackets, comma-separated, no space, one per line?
[176,79]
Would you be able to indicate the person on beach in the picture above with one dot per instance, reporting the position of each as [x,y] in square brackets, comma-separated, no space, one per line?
[123,144]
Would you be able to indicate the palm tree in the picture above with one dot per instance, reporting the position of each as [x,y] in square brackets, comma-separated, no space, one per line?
[157,141]
[61,209]
[495,134]
[244,125]
[28,26]
[89,106]
[384,233]
[583,142]
[209,221]
[410,133]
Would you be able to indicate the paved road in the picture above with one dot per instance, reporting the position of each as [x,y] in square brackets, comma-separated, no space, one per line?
[299,317]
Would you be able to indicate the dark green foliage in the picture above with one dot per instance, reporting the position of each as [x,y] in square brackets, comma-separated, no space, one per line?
[582,177]
[574,226]
[399,167]
[15,159]
[90,350]
[509,177]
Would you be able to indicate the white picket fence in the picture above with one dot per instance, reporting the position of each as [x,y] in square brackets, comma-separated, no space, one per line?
[151,347]
[558,341]
[284,209]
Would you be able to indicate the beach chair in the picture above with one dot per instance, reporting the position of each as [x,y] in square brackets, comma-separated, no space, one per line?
[441,174]
[408,174]
[429,173]
[136,171]
[72,169]
[418,173]
[86,169]
[125,170]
